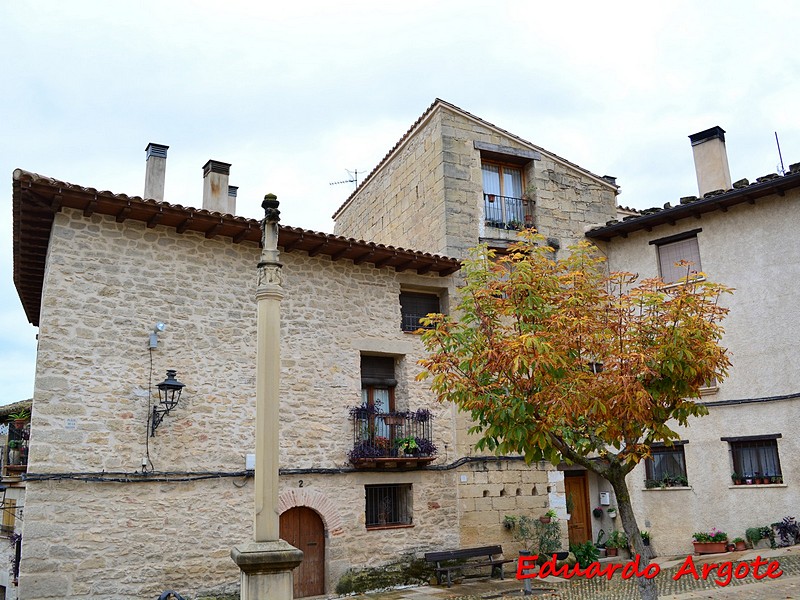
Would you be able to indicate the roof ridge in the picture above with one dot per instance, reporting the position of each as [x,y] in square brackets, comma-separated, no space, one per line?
[429,111]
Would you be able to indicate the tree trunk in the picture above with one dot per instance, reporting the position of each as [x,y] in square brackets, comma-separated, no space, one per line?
[647,587]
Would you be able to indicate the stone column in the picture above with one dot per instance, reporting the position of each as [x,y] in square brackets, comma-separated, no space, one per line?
[267,562]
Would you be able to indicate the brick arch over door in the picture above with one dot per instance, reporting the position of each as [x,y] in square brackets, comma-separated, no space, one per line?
[315,500]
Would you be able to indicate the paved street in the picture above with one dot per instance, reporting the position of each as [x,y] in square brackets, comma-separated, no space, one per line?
[787,586]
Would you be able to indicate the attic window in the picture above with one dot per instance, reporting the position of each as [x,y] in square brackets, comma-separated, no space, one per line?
[674,249]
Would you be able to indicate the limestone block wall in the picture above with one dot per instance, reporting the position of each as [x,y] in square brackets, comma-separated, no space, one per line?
[566,198]
[761,334]
[493,488]
[448,218]
[106,284]
[403,203]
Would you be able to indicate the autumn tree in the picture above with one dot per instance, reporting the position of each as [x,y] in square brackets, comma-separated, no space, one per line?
[561,360]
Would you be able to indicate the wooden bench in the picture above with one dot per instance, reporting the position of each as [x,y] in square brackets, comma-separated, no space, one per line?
[457,560]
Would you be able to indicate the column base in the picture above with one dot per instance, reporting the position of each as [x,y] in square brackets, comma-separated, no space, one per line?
[266,569]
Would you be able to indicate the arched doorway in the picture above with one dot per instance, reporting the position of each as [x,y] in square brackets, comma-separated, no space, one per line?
[303,529]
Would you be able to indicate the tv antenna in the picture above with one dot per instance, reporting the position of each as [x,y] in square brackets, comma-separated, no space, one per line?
[781,170]
[353,175]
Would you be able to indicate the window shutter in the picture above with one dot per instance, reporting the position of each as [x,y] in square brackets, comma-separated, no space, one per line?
[669,254]
[378,370]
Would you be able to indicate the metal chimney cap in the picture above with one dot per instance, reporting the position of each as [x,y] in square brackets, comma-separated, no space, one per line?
[708,134]
[158,150]
[215,166]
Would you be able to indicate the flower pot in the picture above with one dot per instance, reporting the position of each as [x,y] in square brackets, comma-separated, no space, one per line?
[741,546]
[710,547]
[544,519]
[393,420]
[612,514]
[612,551]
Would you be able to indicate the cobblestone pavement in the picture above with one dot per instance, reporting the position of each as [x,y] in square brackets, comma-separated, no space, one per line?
[787,586]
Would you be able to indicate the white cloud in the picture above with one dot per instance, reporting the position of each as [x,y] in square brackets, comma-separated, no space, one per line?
[293,94]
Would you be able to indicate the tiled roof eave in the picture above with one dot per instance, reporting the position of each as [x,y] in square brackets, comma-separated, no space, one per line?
[36,200]
[672,215]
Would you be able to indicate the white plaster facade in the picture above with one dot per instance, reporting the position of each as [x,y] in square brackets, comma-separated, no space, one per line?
[752,248]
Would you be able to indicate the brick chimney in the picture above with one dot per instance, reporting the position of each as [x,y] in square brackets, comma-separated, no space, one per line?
[156,171]
[215,187]
[711,160]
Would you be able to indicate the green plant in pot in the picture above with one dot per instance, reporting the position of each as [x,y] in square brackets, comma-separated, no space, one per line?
[539,538]
[616,540]
[406,445]
[21,415]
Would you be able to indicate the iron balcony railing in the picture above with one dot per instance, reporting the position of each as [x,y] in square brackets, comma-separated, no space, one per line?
[507,212]
[391,435]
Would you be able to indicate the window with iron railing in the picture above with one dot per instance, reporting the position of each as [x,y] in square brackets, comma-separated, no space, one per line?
[504,204]
[414,306]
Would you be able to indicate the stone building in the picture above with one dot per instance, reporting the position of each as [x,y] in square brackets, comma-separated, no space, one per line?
[743,235]
[454,180]
[126,500]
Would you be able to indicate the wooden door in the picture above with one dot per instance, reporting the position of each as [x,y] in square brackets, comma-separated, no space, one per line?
[577,488]
[303,529]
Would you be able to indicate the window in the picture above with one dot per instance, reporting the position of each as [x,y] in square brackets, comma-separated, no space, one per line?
[414,306]
[503,202]
[756,456]
[667,467]
[378,382]
[388,505]
[675,248]
[9,516]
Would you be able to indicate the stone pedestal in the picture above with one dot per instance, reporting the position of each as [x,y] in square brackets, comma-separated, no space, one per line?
[266,569]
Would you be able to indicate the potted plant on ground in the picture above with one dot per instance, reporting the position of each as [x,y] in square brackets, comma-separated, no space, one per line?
[537,537]
[739,543]
[616,540]
[713,542]
[788,530]
[645,537]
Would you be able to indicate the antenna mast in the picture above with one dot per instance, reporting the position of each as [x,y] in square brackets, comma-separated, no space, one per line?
[781,170]
[353,178]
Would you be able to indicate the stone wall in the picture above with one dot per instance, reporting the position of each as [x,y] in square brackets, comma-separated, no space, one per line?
[403,203]
[106,285]
[753,249]
[446,216]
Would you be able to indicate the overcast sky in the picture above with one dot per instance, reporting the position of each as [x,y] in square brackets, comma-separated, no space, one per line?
[294,94]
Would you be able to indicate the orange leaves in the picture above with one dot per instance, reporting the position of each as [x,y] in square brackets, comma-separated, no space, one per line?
[546,351]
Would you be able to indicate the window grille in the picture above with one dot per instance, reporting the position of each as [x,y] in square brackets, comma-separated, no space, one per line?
[414,306]
[388,505]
